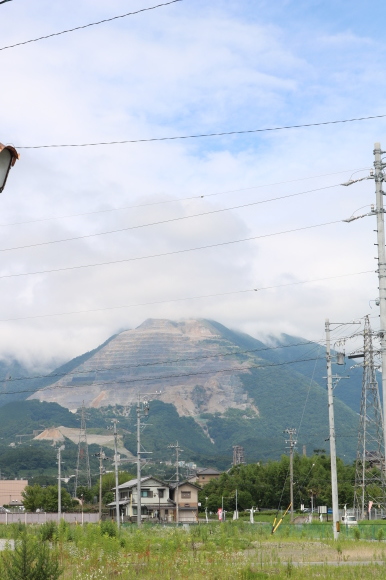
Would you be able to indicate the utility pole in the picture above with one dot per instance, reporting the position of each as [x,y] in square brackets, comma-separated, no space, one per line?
[60,449]
[178,450]
[379,178]
[142,411]
[334,478]
[292,443]
[115,421]
[83,474]
[379,211]
[102,457]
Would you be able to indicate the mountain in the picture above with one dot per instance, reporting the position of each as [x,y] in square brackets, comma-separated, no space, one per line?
[219,386]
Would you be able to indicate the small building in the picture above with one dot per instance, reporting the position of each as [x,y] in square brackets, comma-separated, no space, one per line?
[204,476]
[11,490]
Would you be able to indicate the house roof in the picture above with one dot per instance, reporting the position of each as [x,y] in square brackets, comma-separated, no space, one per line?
[121,502]
[208,471]
[185,482]
[133,482]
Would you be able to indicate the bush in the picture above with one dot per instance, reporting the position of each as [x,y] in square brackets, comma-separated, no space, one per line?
[30,560]
[109,528]
[49,531]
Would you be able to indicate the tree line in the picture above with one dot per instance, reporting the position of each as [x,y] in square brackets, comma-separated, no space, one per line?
[268,485]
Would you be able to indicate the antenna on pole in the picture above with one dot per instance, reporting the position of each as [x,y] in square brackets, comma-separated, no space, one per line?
[82,473]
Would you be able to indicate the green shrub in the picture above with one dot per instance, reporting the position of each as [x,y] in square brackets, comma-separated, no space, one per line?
[49,531]
[110,528]
[249,574]
[30,560]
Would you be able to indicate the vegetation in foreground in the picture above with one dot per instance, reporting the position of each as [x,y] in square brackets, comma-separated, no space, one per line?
[232,550]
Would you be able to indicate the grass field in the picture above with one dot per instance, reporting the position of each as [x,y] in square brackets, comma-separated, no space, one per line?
[232,550]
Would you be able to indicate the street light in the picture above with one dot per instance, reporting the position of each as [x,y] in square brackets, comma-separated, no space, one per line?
[8,158]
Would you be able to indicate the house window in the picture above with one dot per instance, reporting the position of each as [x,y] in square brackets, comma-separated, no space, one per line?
[186,494]
[146,493]
[144,511]
[124,494]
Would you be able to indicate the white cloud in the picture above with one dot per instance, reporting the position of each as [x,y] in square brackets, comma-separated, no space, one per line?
[177,71]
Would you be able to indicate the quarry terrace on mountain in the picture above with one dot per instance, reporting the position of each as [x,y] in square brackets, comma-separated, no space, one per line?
[236,389]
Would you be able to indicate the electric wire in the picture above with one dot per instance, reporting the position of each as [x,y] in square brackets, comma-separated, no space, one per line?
[88,25]
[164,254]
[200,135]
[202,196]
[157,363]
[158,302]
[309,390]
[122,383]
[167,221]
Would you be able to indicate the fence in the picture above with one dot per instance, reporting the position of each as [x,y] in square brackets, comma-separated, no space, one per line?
[42,518]
[363,531]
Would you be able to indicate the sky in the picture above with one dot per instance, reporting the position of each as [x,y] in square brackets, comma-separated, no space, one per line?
[188,68]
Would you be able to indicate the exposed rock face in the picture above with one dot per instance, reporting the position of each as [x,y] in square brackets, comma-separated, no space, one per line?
[182,360]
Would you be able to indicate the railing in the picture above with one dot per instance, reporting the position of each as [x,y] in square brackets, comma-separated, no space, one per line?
[42,518]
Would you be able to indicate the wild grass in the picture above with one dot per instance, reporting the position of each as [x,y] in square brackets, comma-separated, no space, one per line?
[233,550]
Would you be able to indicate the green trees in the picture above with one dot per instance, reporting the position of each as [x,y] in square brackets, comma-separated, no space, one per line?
[30,560]
[267,485]
[45,498]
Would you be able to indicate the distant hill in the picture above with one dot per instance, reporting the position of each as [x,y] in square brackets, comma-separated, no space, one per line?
[225,387]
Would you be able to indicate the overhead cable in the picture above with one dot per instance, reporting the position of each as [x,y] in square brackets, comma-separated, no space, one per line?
[167,201]
[167,221]
[159,302]
[157,363]
[200,135]
[164,254]
[153,378]
[89,25]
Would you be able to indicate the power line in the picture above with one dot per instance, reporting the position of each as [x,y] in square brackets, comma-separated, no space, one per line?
[202,196]
[171,220]
[172,253]
[88,25]
[159,302]
[158,363]
[153,378]
[200,135]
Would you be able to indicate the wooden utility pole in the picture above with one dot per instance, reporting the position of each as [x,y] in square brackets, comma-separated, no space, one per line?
[292,443]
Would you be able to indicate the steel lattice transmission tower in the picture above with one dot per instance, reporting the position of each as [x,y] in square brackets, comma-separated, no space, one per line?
[238,455]
[82,473]
[370,482]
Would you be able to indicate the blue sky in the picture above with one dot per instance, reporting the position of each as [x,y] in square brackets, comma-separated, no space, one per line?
[191,67]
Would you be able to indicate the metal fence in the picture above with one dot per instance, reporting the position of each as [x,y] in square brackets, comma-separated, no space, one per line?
[42,518]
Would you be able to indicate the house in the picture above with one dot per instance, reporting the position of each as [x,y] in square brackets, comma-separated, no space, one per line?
[158,500]
[155,499]
[185,496]
[204,476]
